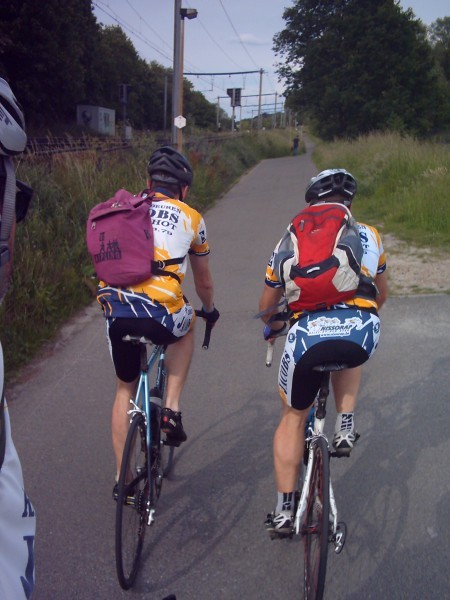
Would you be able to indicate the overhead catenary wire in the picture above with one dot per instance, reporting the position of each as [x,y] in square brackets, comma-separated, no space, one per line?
[237,34]
[122,24]
[215,81]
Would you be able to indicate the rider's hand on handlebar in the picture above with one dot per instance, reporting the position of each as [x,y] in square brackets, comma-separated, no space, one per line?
[209,317]
[270,333]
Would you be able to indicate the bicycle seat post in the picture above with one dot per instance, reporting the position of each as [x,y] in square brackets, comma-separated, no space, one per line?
[143,356]
[323,395]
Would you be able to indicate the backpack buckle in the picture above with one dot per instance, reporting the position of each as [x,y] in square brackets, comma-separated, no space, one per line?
[161,264]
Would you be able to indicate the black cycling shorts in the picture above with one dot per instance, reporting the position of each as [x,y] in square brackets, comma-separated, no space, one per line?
[126,356]
[306,381]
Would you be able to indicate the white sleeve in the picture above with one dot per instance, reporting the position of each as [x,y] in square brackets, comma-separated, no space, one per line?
[17,522]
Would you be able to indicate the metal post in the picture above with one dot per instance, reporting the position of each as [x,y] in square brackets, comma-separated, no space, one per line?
[165,104]
[275,111]
[180,92]
[176,67]
[260,94]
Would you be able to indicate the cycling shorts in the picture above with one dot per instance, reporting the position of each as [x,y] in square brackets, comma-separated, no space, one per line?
[339,334]
[164,331]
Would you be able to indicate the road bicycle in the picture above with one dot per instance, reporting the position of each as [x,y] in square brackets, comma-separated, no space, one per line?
[147,460]
[315,510]
[316,516]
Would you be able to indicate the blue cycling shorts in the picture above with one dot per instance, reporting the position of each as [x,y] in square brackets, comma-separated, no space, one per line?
[346,335]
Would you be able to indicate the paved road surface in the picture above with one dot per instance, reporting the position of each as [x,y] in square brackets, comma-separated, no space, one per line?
[208,542]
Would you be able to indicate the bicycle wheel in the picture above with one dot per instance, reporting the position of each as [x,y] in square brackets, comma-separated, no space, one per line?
[133,494]
[166,458]
[315,527]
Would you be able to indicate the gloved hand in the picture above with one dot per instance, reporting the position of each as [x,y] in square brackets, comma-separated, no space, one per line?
[269,333]
[209,317]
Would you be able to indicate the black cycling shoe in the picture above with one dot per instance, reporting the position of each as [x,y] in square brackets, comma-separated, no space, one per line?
[172,426]
[280,525]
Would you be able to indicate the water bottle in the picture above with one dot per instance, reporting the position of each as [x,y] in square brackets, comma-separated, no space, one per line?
[155,415]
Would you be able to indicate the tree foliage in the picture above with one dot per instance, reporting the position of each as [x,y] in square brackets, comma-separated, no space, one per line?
[354,66]
[55,55]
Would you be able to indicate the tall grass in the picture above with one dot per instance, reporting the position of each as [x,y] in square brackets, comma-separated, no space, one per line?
[53,272]
[403,184]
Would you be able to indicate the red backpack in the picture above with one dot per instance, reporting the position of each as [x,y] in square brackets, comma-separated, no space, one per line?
[326,266]
[119,238]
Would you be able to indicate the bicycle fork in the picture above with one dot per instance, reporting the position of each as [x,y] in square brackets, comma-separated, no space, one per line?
[337,530]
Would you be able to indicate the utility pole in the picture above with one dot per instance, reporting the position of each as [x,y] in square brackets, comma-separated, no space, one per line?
[176,68]
[275,111]
[178,56]
[260,94]
[165,103]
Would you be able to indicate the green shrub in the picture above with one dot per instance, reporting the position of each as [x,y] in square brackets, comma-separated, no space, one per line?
[53,271]
[403,184]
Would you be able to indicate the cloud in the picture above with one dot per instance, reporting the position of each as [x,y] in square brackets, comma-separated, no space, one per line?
[252,40]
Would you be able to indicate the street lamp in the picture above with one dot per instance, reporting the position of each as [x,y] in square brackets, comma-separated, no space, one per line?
[178,58]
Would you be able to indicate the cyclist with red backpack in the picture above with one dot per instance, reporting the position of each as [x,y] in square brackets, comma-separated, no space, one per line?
[156,307]
[340,324]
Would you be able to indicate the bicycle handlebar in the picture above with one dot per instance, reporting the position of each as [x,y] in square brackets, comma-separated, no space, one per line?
[269,353]
[208,328]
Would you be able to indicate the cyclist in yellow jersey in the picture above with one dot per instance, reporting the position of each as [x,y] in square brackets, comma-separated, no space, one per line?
[157,308]
[346,332]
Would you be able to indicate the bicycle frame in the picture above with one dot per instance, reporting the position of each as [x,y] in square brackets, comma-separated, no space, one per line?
[314,434]
[141,404]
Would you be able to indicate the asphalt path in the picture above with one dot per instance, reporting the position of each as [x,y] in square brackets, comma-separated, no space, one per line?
[208,541]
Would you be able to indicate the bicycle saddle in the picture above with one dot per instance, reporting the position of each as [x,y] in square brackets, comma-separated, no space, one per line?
[137,339]
[330,366]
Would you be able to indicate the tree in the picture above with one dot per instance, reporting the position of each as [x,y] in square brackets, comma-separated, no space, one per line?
[55,55]
[45,50]
[353,66]
[439,35]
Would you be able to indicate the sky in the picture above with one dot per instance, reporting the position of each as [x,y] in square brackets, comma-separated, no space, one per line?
[228,36]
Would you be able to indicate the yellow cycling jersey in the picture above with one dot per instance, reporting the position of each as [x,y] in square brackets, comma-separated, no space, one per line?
[373,262]
[178,230]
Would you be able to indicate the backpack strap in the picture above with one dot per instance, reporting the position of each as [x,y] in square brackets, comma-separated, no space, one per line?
[158,267]
[366,288]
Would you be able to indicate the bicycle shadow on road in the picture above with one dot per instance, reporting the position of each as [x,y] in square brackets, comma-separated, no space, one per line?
[397,518]
[203,508]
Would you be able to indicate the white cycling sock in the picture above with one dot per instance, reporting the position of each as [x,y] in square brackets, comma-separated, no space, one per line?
[344,422]
[285,501]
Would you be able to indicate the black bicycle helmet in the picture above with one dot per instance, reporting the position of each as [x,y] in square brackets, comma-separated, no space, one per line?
[169,166]
[332,182]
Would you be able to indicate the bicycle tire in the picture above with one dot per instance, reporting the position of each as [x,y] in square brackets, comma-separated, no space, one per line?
[131,514]
[316,524]
[166,459]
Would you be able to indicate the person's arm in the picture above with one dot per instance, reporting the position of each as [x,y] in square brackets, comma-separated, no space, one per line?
[203,281]
[382,286]
[270,298]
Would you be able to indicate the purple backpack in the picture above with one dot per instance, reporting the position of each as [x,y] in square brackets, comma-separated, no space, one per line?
[119,237]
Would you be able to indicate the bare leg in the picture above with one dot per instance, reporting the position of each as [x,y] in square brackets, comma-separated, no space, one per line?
[288,445]
[178,360]
[346,386]
[120,419]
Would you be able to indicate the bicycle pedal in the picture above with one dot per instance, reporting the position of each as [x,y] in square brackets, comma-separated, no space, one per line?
[173,443]
[280,536]
[343,453]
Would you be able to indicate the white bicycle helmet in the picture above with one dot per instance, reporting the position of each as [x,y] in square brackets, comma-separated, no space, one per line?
[331,182]
[13,138]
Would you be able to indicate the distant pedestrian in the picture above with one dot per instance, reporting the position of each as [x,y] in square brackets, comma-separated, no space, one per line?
[295,145]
